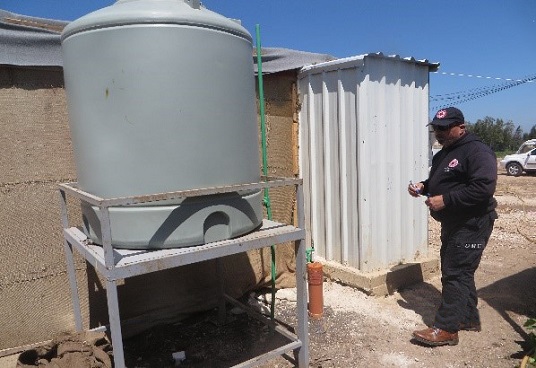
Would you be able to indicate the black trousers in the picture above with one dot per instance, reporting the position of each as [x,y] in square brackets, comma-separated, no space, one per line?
[462,245]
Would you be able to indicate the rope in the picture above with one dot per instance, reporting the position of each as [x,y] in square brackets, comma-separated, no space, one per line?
[454,98]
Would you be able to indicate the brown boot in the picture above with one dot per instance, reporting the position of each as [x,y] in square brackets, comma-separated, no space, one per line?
[434,336]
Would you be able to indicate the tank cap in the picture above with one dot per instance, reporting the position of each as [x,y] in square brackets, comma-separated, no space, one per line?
[195,4]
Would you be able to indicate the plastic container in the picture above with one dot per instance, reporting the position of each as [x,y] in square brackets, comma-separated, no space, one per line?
[161,98]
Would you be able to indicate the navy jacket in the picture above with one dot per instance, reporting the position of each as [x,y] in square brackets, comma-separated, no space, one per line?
[465,173]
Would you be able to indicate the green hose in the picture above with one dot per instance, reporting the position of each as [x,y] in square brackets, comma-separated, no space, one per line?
[266,200]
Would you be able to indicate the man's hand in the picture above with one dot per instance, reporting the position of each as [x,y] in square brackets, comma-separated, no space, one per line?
[435,203]
[415,190]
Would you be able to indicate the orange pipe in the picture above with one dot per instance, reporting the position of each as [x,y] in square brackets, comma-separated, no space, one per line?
[315,284]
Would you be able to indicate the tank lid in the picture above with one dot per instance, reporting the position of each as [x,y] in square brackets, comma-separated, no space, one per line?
[129,12]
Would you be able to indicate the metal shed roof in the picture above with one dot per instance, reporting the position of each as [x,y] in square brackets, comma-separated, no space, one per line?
[351,62]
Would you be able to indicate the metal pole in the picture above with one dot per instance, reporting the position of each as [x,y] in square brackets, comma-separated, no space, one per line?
[71,270]
[301,308]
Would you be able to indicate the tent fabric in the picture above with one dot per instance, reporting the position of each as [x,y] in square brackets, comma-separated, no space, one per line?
[30,41]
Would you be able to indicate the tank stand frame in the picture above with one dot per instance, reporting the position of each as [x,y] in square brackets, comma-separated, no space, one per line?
[118,264]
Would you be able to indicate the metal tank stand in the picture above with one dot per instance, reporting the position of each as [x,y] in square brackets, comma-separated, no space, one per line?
[117,264]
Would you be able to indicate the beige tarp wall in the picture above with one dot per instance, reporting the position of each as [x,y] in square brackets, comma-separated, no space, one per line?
[36,155]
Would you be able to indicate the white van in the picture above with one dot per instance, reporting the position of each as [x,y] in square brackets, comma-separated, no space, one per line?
[523,160]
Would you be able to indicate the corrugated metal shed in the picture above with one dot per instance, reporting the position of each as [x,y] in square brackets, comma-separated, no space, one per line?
[363,137]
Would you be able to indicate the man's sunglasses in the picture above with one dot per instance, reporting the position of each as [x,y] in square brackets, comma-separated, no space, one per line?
[444,128]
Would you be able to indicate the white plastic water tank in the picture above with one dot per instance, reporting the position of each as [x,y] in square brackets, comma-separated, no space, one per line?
[161,98]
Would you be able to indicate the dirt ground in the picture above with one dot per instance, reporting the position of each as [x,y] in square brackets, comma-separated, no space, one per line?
[364,331]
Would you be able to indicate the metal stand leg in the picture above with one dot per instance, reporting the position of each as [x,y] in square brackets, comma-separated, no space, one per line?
[74,288]
[115,323]
[303,330]
[111,289]
[71,271]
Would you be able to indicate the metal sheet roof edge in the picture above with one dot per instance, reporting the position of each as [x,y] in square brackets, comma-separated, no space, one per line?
[359,60]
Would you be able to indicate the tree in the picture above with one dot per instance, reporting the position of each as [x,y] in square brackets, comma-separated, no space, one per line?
[500,136]
[531,134]
[508,136]
[518,137]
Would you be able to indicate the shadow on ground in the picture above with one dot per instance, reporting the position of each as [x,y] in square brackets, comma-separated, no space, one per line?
[513,294]
[423,299]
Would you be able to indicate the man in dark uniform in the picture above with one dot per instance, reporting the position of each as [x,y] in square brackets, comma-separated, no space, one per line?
[460,191]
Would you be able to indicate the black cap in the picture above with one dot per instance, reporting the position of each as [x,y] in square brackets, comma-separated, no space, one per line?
[448,116]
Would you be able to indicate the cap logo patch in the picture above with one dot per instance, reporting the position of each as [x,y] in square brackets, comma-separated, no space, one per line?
[453,163]
[441,114]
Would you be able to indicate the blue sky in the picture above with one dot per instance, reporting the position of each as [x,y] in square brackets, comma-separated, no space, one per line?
[485,38]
